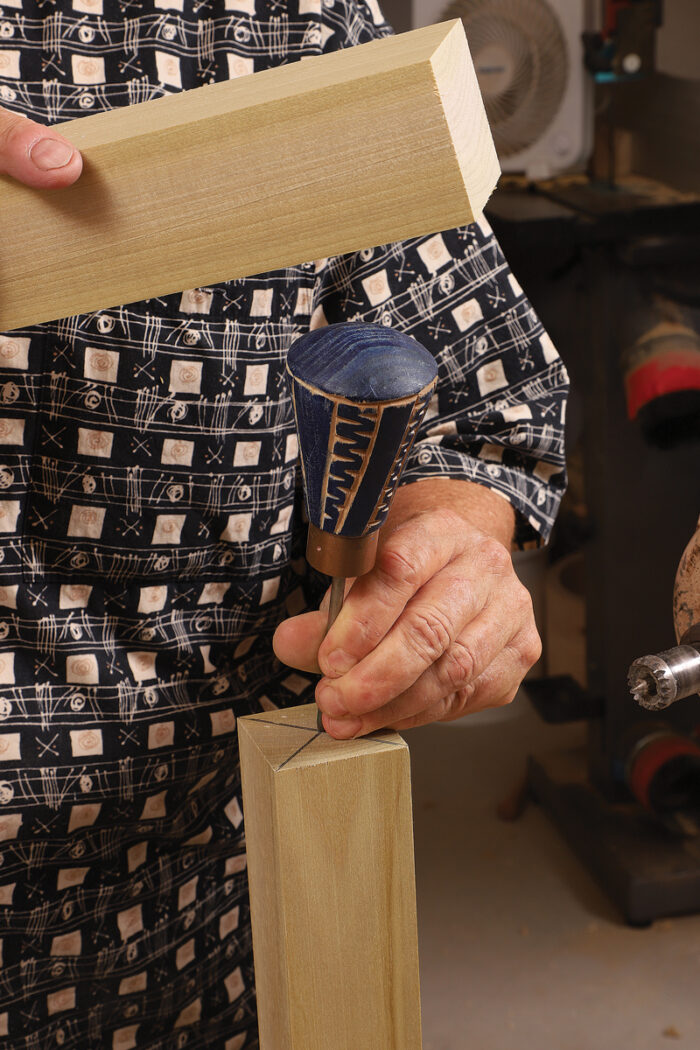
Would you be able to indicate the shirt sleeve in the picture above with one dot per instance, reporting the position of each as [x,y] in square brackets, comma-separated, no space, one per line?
[498,415]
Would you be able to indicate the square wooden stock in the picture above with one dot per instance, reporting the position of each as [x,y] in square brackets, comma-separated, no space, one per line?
[331,154]
[329,836]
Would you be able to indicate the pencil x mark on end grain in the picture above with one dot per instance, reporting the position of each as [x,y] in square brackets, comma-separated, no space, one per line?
[289,738]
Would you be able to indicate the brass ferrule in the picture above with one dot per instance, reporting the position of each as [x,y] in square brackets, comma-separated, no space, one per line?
[341,555]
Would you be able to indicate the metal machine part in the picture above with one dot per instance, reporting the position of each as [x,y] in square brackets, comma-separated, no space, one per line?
[659,680]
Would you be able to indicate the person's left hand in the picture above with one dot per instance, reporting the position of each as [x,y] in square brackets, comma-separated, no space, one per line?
[441,627]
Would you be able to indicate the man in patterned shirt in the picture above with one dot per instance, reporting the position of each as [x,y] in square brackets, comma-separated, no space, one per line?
[151,546]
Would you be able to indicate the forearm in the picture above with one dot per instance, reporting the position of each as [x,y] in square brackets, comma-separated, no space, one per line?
[478,505]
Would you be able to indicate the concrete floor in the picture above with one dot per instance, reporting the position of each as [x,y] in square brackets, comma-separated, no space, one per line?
[520,950]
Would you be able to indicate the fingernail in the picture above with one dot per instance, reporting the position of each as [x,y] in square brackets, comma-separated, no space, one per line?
[47,154]
[344,728]
[339,662]
[329,700]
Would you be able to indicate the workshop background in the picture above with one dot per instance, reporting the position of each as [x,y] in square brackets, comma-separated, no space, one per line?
[557,847]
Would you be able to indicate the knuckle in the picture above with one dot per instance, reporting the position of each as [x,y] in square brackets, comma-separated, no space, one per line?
[525,651]
[457,703]
[532,649]
[507,698]
[399,564]
[459,667]
[428,633]
[451,521]
[461,698]
[524,602]
[362,697]
[496,557]
[366,632]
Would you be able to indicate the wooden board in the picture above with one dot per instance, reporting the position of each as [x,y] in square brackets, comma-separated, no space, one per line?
[329,838]
[331,154]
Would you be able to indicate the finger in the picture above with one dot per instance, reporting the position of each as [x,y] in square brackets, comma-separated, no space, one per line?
[429,627]
[36,155]
[495,687]
[456,675]
[407,559]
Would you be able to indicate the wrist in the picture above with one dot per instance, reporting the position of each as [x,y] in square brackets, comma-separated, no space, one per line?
[480,507]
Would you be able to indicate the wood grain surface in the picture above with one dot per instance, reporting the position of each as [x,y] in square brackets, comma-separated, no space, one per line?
[335,153]
[329,838]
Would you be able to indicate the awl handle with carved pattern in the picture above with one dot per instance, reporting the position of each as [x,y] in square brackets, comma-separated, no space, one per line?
[360,393]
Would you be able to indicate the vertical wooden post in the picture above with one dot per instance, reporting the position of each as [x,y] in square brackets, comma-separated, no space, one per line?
[332,887]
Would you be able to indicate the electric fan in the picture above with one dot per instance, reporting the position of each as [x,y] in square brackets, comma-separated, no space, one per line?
[528,57]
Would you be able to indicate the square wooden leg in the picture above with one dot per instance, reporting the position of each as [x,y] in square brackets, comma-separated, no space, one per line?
[329,836]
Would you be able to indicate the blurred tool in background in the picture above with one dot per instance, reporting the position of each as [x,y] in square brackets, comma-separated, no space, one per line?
[662,374]
[658,680]
[623,49]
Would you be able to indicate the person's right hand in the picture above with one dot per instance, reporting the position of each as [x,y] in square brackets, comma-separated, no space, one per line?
[36,155]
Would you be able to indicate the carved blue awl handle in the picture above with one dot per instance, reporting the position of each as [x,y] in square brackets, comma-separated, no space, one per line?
[360,392]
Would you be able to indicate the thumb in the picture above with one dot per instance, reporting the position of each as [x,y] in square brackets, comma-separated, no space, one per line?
[297,640]
[36,155]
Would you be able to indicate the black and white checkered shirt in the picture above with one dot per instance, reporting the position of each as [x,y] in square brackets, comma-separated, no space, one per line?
[151,541]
